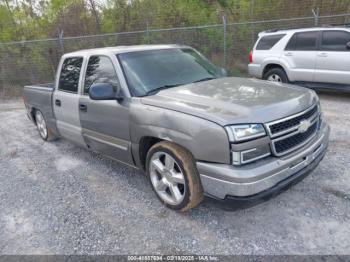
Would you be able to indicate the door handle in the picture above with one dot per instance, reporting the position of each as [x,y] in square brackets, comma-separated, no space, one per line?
[322,54]
[83,108]
[288,54]
[58,102]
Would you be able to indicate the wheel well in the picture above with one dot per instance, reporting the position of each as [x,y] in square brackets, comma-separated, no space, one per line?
[271,66]
[145,144]
[32,112]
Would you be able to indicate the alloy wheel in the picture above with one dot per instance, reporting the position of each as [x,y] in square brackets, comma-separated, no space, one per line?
[167,178]
[40,122]
[274,78]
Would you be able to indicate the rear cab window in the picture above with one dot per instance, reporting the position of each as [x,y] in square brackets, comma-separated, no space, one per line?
[69,75]
[268,41]
[303,41]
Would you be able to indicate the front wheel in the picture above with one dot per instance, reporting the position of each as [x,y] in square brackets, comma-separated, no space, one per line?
[174,177]
[276,75]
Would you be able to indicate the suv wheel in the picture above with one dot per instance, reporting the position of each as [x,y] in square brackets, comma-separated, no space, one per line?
[276,75]
[173,175]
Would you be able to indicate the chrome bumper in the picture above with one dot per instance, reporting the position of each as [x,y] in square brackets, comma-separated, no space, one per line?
[221,180]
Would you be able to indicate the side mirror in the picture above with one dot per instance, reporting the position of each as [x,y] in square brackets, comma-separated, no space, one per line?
[104,91]
[348,45]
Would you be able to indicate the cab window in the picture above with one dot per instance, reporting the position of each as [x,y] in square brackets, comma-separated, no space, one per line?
[70,73]
[99,70]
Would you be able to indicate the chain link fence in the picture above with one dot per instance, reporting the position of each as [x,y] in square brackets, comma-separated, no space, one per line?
[226,44]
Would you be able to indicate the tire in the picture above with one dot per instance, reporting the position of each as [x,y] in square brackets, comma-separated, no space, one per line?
[276,75]
[41,125]
[170,166]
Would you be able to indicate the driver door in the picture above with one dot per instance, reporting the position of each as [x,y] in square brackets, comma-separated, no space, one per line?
[105,124]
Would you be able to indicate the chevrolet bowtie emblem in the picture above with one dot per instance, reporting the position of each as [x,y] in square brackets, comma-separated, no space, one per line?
[304,125]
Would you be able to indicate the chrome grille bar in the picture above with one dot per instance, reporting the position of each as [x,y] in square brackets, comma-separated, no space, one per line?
[290,132]
[295,116]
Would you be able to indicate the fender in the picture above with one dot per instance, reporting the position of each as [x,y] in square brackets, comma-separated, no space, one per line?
[207,141]
[277,61]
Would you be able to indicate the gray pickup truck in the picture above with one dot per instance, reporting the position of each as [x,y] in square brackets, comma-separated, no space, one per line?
[167,110]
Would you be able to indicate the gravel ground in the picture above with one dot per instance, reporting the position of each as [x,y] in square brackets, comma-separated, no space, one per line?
[56,198]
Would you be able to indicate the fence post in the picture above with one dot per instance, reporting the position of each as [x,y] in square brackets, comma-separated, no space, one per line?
[147,32]
[316,14]
[251,13]
[60,40]
[2,85]
[224,24]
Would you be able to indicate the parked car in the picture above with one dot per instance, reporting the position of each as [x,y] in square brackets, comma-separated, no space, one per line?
[167,110]
[313,57]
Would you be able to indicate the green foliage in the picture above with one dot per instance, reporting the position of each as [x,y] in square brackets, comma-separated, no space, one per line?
[39,19]
[30,19]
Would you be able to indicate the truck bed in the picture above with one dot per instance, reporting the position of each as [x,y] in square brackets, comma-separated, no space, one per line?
[39,97]
[49,86]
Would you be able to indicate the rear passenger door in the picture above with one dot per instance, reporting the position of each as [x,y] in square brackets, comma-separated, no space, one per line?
[66,100]
[333,58]
[105,124]
[300,55]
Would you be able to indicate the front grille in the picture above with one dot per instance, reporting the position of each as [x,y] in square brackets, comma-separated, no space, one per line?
[296,140]
[287,134]
[293,122]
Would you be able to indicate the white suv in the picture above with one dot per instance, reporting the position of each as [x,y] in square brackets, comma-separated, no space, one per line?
[313,57]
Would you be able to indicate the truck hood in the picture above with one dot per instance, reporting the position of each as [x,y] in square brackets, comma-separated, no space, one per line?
[233,100]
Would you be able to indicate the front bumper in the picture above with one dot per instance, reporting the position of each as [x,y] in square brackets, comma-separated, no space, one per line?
[265,177]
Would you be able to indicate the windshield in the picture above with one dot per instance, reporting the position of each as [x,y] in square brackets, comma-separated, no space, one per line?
[153,70]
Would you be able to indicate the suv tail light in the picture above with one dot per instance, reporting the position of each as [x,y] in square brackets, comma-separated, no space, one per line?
[251,56]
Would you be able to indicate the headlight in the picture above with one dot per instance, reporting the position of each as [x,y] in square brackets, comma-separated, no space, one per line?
[239,133]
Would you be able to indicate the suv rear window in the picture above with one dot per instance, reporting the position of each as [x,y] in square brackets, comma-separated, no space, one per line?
[267,42]
[305,41]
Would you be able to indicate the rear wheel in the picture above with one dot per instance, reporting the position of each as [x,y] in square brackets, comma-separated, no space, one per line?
[44,132]
[174,176]
[41,124]
[276,75]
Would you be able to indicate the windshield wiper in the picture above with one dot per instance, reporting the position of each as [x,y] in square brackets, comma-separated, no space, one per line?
[156,90]
[204,79]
